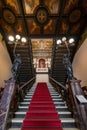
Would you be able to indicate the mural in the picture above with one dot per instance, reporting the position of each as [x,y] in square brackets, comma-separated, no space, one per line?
[69,5]
[32,27]
[14,5]
[76,28]
[49,28]
[64,27]
[6,28]
[53,5]
[1,3]
[84,5]
[19,27]
[30,5]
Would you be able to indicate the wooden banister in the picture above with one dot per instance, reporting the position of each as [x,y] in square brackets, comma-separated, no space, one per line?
[27,83]
[59,84]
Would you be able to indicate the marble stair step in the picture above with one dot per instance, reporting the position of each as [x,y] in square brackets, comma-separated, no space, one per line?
[63,129]
[66,123]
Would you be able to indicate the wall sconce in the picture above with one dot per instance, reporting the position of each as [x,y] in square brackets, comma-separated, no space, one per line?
[16,40]
[67,42]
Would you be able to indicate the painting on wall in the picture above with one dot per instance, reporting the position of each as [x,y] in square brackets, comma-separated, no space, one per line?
[30,6]
[53,5]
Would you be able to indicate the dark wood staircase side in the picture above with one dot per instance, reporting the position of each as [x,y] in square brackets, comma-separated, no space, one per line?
[58,71]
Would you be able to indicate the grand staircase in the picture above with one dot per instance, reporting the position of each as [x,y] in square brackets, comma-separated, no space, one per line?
[68,123]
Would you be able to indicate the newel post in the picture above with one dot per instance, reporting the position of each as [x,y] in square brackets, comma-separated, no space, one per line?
[5,103]
[79,103]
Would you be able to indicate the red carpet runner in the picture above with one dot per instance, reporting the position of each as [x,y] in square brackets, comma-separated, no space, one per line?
[41,114]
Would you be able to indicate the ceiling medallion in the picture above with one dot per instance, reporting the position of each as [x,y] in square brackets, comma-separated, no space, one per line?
[8,16]
[75,16]
[42,15]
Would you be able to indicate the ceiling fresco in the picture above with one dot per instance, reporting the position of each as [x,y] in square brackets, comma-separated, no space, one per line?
[42,22]
[43,18]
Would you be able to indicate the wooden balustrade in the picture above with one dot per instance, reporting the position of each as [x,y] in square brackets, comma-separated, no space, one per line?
[24,88]
[59,88]
[74,97]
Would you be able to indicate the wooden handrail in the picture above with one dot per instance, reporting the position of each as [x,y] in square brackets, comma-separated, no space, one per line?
[59,84]
[26,83]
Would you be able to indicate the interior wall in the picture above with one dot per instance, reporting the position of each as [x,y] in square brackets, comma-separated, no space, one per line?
[5,63]
[80,64]
[42,78]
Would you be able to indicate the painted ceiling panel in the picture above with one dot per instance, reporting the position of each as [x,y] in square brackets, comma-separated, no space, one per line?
[50,28]
[7,29]
[70,4]
[33,28]
[64,26]
[76,28]
[14,5]
[30,6]
[43,18]
[53,6]
[19,28]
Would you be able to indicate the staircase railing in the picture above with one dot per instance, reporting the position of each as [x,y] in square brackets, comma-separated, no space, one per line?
[8,100]
[25,87]
[75,100]
[60,89]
